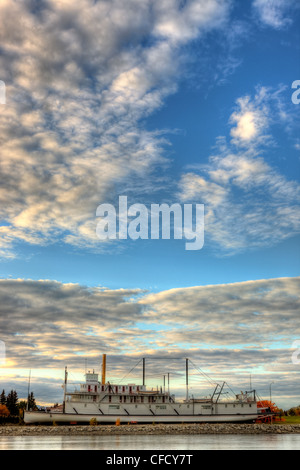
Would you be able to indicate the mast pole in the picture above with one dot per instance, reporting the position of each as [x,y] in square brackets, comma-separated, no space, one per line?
[143,371]
[65,389]
[28,390]
[187,378]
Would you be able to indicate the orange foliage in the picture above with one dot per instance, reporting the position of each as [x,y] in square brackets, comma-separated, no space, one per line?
[268,404]
[4,412]
[271,407]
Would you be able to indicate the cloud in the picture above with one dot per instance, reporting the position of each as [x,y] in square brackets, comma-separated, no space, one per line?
[251,312]
[80,77]
[274,13]
[49,321]
[248,202]
[251,122]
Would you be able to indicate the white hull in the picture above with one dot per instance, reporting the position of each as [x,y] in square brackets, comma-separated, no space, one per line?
[41,417]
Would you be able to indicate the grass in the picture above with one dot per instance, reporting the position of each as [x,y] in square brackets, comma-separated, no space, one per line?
[289,420]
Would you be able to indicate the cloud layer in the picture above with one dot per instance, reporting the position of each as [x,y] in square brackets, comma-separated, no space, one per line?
[79,77]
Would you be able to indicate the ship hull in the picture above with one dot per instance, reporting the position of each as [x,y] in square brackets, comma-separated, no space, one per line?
[36,417]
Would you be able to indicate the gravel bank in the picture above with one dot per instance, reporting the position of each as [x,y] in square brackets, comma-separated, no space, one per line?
[153,429]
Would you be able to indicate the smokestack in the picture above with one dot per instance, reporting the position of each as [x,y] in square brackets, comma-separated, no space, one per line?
[103,368]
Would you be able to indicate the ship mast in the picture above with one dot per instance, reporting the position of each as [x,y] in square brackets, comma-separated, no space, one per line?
[187,378]
[143,371]
[65,390]
[28,390]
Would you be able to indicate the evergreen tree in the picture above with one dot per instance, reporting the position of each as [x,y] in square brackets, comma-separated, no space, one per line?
[3,398]
[31,402]
[12,403]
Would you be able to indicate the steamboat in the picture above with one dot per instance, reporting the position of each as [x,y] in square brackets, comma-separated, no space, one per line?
[103,402]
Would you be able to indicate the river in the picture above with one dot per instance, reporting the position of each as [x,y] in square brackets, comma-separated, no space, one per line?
[154,443]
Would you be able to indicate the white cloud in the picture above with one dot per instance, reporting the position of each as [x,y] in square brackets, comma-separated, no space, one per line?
[80,76]
[248,203]
[274,13]
[251,118]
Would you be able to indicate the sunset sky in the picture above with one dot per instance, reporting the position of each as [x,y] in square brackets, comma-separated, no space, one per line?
[162,101]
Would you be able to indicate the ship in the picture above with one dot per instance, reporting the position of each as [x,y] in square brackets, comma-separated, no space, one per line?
[101,402]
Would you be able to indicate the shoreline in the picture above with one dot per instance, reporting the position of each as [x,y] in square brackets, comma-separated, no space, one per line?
[147,429]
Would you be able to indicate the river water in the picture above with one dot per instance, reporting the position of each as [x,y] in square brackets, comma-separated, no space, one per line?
[153,443]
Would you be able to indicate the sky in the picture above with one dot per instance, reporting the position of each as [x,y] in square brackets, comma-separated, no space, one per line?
[186,102]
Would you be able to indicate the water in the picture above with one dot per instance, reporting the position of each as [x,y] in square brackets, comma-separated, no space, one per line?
[156,443]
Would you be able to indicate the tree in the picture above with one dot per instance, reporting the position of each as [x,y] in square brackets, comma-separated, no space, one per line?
[22,405]
[31,402]
[294,411]
[12,403]
[4,412]
[3,398]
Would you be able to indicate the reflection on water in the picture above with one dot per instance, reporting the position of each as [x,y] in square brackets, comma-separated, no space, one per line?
[182,442]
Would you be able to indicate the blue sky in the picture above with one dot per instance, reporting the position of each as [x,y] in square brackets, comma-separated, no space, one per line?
[162,101]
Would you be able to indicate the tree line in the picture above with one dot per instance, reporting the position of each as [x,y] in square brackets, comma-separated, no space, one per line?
[11,406]
[294,411]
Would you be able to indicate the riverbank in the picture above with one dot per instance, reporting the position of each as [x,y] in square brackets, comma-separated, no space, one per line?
[149,429]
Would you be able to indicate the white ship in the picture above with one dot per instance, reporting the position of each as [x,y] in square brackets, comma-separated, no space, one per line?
[103,402]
